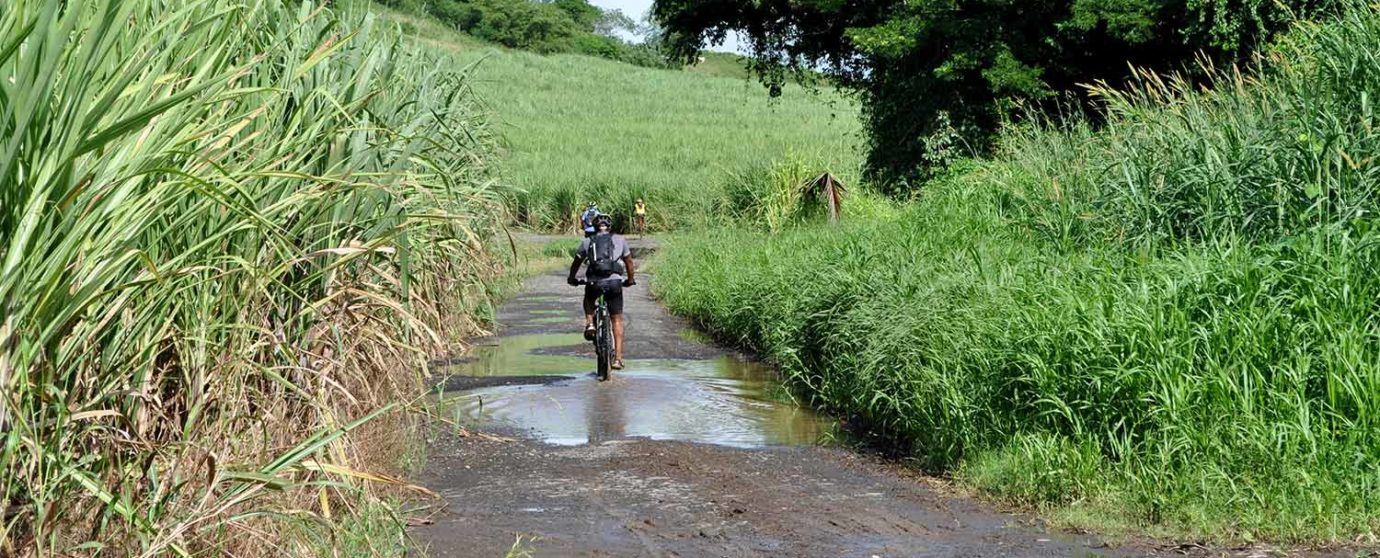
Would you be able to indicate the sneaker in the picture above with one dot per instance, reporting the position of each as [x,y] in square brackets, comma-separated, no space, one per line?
[617,365]
[589,332]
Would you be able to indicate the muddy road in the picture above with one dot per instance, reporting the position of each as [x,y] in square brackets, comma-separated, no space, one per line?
[690,451]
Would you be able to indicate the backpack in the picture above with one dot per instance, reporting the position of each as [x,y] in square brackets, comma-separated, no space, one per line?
[604,261]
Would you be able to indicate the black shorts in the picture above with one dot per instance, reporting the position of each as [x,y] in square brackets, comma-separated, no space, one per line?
[613,294]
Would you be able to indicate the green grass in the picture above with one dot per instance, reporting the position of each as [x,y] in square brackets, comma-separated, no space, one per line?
[578,128]
[231,234]
[371,528]
[1168,323]
[722,64]
[560,249]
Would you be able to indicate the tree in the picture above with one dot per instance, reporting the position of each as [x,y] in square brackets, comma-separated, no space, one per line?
[581,12]
[613,21]
[938,77]
[521,24]
[545,26]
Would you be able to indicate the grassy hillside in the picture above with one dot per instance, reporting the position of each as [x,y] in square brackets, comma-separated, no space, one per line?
[721,64]
[578,128]
[1166,322]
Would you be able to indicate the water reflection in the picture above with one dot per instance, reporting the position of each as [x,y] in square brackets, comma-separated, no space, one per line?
[722,401]
[514,356]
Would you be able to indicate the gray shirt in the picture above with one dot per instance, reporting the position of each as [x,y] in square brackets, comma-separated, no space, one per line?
[620,247]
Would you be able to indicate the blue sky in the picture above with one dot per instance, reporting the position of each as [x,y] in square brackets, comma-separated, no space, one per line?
[637,9]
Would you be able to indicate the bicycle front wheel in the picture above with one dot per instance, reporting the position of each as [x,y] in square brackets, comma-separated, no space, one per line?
[605,365]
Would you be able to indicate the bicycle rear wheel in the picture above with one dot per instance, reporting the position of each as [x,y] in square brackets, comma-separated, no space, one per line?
[603,344]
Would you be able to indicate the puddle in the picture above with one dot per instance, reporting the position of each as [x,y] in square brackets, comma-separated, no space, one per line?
[513,356]
[695,336]
[725,401]
[538,299]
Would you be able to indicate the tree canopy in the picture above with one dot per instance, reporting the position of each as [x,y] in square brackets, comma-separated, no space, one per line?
[938,77]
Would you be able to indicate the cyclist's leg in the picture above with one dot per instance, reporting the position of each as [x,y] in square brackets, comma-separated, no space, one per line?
[591,293]
[614,298]
[618,337]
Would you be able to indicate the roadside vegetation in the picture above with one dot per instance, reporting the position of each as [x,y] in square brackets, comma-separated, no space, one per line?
[230,237]
[1160,318]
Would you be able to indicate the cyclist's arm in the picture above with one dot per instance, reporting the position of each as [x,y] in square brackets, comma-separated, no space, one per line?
[579,259]
[574,269]
[628,262]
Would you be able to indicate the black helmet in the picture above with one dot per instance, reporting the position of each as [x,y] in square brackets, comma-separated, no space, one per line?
[604,218]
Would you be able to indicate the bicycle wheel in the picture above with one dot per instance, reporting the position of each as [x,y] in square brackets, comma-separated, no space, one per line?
[603,343]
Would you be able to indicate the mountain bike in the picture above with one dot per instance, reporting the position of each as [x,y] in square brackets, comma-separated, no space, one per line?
[603,336]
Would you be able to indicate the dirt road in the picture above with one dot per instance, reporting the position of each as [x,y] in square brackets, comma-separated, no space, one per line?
[680,455]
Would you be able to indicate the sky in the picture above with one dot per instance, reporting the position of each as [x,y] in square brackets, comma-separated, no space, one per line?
[637,9]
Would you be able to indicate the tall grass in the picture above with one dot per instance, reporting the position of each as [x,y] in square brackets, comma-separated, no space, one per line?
[1168,322]
[780,194]
[229,235]
[579,129]
[1258,156]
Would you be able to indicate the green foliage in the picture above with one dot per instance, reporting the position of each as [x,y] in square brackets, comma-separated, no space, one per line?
[229,235]
[580,12]
[512,23]
[560,249]
[375,529]
[1259,158]
[547,27]
[1040,469]
[1169,318]
[930,69]
[776,196]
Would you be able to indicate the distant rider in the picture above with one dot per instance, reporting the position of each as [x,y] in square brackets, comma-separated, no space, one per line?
[587,219]
[610,261]
[640,217]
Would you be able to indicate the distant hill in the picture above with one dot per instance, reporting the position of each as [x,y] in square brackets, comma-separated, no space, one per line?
[580,128]
[417,19]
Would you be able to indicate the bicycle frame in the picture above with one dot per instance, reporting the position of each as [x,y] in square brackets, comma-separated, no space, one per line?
[603,337]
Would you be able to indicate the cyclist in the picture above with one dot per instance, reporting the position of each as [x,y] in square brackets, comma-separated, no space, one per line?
[640,217]
[610,269]
[587,219]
